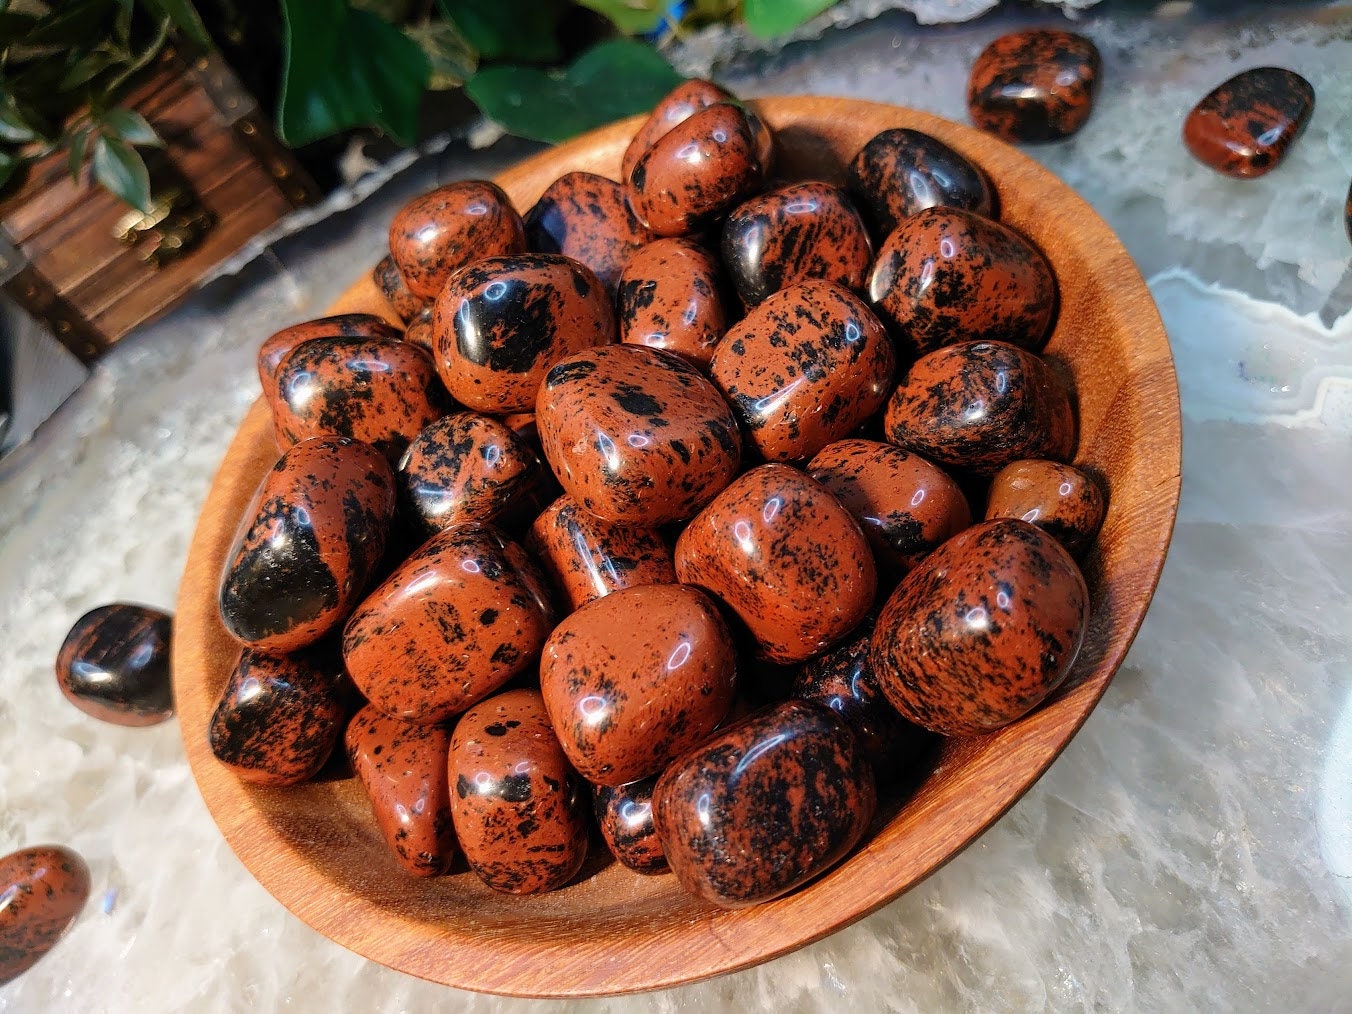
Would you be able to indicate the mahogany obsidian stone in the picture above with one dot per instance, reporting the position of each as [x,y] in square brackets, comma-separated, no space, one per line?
[795,233]
[1036,85]
[520,811]
[1245,127]
[842,680]
[114,665]
[279,716]
[309,544]
[902,171]
[625,815]
[42,890]
[588,218]
[765,805]
[402,766]
[982,630]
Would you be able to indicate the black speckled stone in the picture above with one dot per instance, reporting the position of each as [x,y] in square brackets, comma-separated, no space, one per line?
[279,716]
[114,665]
[901,171]
[842,680]
[42,890]
[625,813]
[764,806]
[1244,127]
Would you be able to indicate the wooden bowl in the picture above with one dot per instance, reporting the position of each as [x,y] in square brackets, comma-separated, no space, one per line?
[316,847]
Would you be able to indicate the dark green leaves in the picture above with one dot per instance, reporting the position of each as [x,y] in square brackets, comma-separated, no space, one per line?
[768,18]
[119,168]
[184,18]
[611,80]
[508,29]
[130,126]
[347,68]
[9,165]
[633,17]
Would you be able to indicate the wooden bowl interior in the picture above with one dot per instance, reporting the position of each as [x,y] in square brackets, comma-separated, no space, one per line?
[316,847]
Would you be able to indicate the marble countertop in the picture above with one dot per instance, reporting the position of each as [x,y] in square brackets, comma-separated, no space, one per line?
[1191,849]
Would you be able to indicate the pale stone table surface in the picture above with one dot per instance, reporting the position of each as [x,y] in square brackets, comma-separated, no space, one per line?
[1190,850]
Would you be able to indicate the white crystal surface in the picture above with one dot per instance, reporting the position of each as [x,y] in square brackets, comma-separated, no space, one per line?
[1192,848]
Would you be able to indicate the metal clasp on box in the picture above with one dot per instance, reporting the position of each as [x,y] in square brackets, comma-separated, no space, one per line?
[175,224]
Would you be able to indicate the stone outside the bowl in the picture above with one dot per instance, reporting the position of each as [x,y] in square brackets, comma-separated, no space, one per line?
[1244,127]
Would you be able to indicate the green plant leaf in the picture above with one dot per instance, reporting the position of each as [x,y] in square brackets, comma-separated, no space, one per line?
[522,30]
[86,69]
[75,160]
[9,165]
[350,69]
[13,129]
[611,80]
[120,169]
[449,54]
[184,17]
[131,127]
[633,17]
[79,23]
[768,18]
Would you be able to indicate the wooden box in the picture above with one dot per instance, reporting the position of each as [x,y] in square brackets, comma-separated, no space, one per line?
[61,257]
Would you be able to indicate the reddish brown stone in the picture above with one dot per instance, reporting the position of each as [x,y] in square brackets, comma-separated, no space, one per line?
[982,630]
[437,234]
[42,890]
[520,811]
[403,768]
[588,218]
[786,557]
[1035,85]
[1244,127]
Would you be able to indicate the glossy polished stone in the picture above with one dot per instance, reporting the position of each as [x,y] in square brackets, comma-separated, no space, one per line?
[625,815]
[453,623]
[982,631]
[586,558]
[438,233]
[588,218]
[502,323]
[677,106]
[945,275]
[520,810]
[792,234]
[806,367]
[901,171]
[279,716]
[670,298]
[907,506]
[977,406]
[764,806]
[309,544]
[635,678]
[786,557]
[636,436]
[842,680]
[343,325]
[1347,213]
[1244,127]
[391,284]
[697,171]
[403,768]
[380,391]
[420,331]
[1063,501]
[42,890]
[467,467]
[114,665]
[1036,85]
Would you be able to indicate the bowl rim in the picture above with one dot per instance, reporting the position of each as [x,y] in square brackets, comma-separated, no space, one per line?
[986,775]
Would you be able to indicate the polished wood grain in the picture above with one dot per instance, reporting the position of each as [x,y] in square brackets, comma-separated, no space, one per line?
[317,849]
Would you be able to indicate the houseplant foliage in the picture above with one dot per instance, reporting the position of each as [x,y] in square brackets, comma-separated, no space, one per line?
[63,68]
[542,69]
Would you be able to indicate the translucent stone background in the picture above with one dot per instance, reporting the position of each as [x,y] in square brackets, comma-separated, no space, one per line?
[1192,848]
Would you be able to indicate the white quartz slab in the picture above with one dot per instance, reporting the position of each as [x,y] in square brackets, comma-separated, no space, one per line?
[1191,850]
